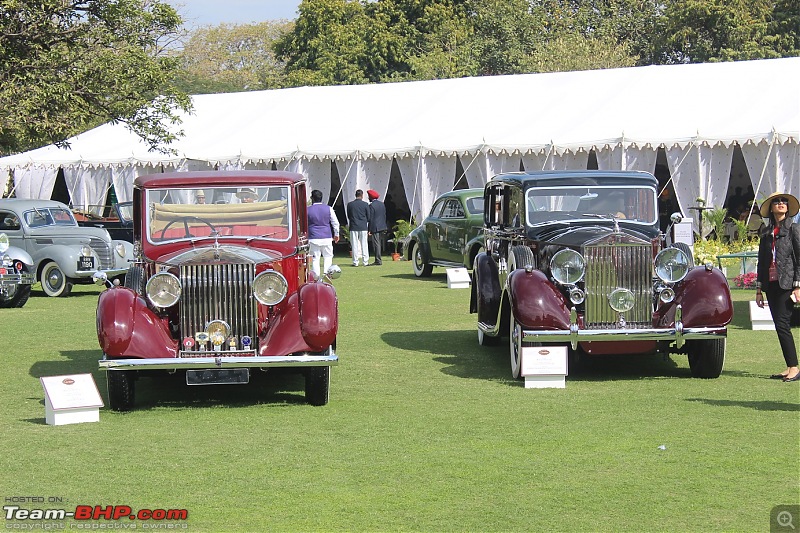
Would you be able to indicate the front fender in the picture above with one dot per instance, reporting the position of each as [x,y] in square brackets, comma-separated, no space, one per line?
[18,254]
[417,235]
[127,328]
[705,299]
[535,302]
[319,314]
[66,257]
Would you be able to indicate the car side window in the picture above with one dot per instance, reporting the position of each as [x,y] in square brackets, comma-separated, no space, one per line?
[9,221]
[436,211]
[38,218]
[452,209]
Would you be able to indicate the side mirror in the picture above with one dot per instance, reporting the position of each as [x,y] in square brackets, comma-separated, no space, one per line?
[676,217]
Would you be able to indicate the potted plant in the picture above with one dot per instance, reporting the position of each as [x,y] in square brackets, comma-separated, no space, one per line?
[402,229]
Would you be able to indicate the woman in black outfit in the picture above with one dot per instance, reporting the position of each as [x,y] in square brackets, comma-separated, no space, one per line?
[779,273]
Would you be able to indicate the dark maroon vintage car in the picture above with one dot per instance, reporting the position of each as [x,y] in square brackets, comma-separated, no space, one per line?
[220,286]
[577,259]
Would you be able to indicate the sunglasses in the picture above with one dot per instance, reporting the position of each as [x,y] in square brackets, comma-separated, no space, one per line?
[780,201]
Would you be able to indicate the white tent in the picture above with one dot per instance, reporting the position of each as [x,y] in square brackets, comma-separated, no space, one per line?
[696,113]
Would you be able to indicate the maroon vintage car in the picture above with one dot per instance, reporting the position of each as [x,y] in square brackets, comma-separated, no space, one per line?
[577,259]
[220,286]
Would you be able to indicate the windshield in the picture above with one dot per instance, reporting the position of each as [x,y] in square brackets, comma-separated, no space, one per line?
[632,204]
[49,216]
[224,212]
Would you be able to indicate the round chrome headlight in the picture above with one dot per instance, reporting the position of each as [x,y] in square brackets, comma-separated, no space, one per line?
[270,287]
[120,249]
[86,251]
[7,261]
[163,290]
[671,265]
[3,243]
[667,295]
[567,266]
[621,300]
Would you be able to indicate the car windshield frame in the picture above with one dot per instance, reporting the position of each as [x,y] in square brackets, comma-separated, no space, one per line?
[40,217]
[634,204]
[237,212]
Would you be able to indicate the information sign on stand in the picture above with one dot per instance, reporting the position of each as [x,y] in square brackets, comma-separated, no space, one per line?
[71,399]
[683,233]
[760,317]
[457,278]
[544,367]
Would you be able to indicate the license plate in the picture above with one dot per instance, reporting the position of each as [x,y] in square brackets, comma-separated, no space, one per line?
[86,263]
[218,376]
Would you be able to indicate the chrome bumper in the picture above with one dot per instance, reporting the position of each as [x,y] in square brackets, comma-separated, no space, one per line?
[195,363]
[24,278]
[110,272]
[573,335]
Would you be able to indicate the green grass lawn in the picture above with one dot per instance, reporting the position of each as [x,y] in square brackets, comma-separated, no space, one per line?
[425,430]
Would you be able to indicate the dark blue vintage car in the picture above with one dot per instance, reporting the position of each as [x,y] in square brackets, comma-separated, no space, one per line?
[451,235]
[577,259]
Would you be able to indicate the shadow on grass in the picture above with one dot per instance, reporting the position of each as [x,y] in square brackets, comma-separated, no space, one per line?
[466,359]
[279,386]
[741,315]
[757,405]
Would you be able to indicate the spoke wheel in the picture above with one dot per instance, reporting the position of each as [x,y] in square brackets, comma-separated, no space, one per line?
[515,348]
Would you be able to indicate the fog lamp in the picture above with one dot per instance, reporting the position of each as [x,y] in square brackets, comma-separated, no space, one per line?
[577,296]
[86,251]
[218,327]
[4,244]
[667,295]
[621,300]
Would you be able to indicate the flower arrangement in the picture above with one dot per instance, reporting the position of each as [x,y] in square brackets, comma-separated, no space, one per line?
[745,281]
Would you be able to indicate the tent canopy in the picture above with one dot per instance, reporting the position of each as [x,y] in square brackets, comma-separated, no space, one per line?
[696,112]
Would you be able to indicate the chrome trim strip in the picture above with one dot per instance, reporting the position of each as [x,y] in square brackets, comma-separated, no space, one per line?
[17,279]
[219,362]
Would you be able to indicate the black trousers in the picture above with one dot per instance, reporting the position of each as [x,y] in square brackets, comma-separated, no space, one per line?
[377,244]
[781,306]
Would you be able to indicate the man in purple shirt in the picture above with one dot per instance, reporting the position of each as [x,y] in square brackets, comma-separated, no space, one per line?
[323,231]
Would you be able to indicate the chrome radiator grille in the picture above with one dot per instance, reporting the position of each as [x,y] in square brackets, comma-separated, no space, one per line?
[103,251]
[218,292]
[613,266]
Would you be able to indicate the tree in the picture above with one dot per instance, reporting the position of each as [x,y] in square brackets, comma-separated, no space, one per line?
[67,66]
[228,58]
[697,31]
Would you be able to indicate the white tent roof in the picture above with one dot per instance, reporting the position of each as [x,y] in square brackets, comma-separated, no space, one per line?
[748,101]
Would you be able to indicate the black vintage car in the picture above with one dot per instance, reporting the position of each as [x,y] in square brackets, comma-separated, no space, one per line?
[577,258]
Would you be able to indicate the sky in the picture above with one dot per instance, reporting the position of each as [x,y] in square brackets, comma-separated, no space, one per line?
[197,13]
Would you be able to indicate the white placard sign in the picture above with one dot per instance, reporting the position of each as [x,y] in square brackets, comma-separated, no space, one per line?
[761,317]
[544,366]
[683,233]
[457,278]
[71,399]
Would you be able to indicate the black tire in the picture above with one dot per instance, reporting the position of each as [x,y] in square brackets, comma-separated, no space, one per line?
[54,282]
[134,279]
[706,357]
[422,269]
[121,390]
[520,257]
[683,247]
[318,381]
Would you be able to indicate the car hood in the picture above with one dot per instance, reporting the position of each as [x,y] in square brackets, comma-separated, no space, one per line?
[218,254]
[70,234]
[578,236]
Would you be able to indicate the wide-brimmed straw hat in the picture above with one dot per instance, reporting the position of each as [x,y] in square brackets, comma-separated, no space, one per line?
[794,205]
